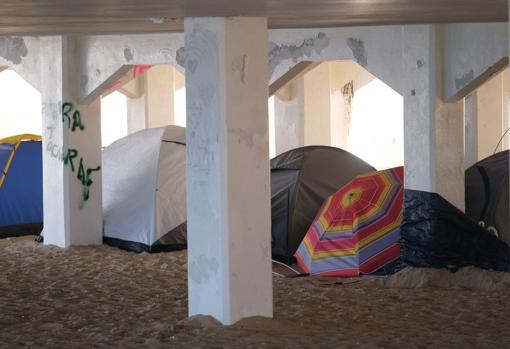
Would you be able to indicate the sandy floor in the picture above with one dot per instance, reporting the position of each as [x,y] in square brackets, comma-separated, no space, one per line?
[104,297]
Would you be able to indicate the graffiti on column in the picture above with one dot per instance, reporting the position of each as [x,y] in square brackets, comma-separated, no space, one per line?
[71,118]
[67,108]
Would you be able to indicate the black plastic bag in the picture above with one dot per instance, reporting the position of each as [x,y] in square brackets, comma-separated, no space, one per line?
[435,233]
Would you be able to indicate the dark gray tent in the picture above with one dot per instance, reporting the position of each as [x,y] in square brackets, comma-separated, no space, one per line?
[301,180]
[487,193]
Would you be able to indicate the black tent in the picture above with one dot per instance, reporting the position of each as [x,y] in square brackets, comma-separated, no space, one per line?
[487,193]
[301,180]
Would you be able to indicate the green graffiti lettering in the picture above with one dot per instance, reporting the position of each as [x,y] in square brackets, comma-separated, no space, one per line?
[77,122]
[71,154]
[89,173]
[81,173]
[66,109]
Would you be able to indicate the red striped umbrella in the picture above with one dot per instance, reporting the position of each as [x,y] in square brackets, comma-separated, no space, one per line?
[357,230]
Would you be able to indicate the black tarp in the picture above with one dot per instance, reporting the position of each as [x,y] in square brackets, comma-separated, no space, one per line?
[20,230]
[174,240]
[301,180]
[434,233]
[487,193]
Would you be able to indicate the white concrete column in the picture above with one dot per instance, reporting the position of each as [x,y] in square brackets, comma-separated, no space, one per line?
[151,98]
[317,106]
[136,104]
[471,130]
[71,150]
[491,118]
[506,104]
[289,117]
[450,152]
[159,90]
[433,130]
[419,86]
[229,254]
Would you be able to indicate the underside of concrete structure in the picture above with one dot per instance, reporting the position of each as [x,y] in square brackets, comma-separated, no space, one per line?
[111,16]
[231,65]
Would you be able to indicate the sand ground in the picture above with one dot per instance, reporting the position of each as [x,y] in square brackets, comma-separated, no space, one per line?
[102,297]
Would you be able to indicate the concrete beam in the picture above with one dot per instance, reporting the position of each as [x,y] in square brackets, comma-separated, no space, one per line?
[377,49]
[294,73]
[133,88]
[22,54]
[102,55]
[474,52]
[229,250]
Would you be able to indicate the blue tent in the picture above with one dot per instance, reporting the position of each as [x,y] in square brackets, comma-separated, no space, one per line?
[21,197]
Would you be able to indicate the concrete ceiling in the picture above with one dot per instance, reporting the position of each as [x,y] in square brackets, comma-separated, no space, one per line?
[116,16]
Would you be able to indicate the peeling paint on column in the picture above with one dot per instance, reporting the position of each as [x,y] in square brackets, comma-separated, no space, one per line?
[128,54]
[201,269]
[465,79]
[239,65]
[13,49]
[359,53]
[180,57]
[279,53]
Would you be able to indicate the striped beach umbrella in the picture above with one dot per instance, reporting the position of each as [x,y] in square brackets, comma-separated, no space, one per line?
[357,230]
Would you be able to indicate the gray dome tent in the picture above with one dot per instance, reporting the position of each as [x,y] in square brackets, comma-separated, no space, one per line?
[301,179]
[487,193]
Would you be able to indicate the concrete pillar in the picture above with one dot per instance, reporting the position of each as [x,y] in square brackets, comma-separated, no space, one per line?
[433,130]
[506,104]
[471,130]
[159,90]
[151,103]
[136,104]
[450,152]
[71,150]
[490,116]
[317,106]
[229,254]
[342,95]
[289,117]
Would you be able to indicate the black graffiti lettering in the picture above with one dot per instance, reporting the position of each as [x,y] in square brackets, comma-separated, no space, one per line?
[84,175]
[77,122]
[85,194]
[71,154]
[66,109]
[89,173]
[81,172]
